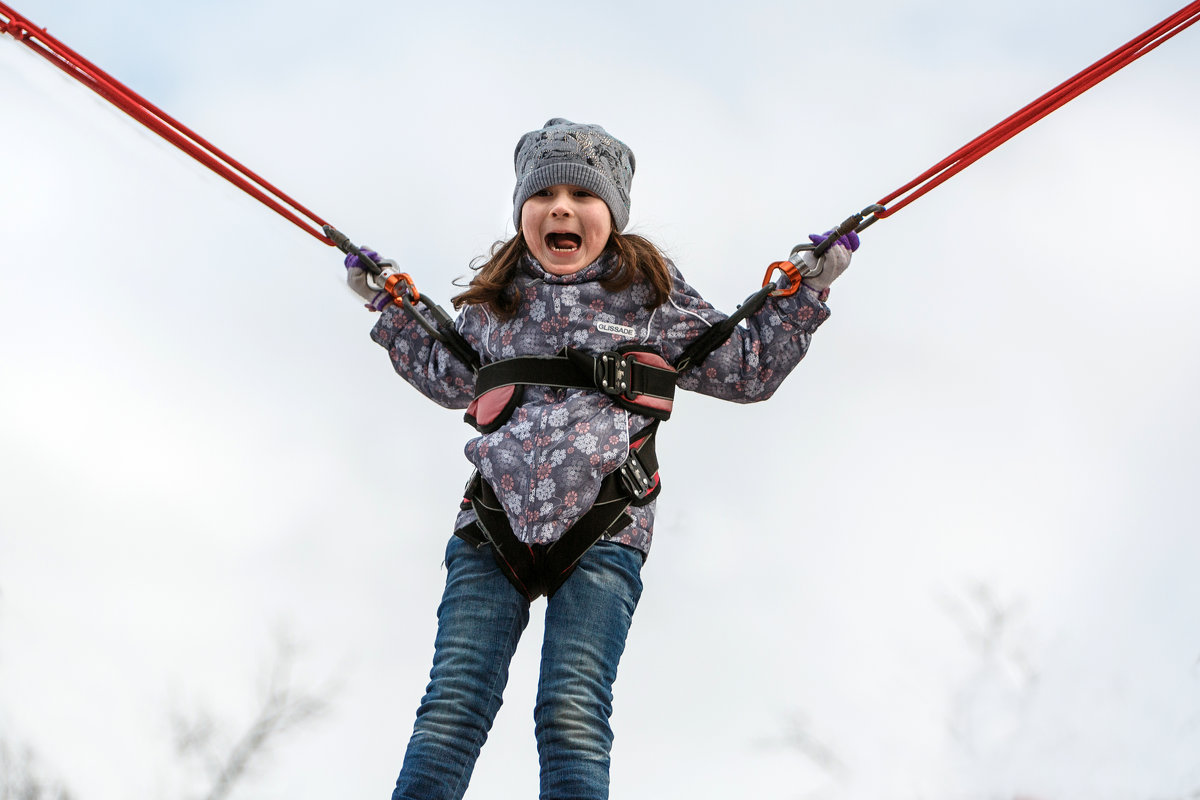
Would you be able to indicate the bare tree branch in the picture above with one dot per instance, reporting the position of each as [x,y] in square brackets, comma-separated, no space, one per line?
[283,708]
[990,626]
[800,737]
[20,778]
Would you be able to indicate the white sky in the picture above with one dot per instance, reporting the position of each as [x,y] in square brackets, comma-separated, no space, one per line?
[201,446]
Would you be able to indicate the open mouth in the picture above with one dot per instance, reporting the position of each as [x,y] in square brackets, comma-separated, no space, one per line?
[564,242]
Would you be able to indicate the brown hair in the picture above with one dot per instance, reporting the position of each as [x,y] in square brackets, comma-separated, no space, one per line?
[492,286]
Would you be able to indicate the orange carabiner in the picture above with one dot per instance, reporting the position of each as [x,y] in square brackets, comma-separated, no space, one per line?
[793,274]
[410,288]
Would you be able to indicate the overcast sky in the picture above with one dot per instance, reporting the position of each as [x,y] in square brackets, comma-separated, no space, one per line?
[954,557]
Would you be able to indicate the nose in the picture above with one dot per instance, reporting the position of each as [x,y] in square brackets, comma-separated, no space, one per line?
[561,206]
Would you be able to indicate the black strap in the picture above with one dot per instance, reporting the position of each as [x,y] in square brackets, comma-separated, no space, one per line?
[612,372]
[702,347]
[516,559]
[443,331]
[536,570]
[565,370]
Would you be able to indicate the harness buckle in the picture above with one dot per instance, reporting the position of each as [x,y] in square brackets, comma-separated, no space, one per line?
[614,374]
[636,480]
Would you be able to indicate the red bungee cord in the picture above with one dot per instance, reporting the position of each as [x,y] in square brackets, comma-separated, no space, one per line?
[203,151]
[1009,127]
[157,120]
[1052,100]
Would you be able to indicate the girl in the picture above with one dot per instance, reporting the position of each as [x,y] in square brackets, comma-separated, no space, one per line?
[577,328]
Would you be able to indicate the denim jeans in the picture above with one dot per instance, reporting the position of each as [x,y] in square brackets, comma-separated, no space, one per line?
[480,621]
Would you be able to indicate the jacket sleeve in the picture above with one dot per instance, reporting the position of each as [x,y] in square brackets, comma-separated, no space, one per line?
[424,362]
[760,353]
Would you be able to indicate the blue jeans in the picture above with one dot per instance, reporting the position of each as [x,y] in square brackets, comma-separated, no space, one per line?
[480,621]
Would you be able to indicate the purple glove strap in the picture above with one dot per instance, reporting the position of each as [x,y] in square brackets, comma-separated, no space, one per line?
[849,241]
[381,299]
[351,261]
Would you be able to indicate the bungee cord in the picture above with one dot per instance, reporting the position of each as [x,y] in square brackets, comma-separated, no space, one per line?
[157,120]
[398,284]
[1052,100]
[1010,126]
[173,131]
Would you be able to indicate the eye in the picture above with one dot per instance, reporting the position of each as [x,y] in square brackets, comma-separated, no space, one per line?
[583,193]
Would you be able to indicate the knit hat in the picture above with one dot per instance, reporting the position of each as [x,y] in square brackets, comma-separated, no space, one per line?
[578,155]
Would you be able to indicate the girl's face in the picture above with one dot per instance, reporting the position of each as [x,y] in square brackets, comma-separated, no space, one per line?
[566,228]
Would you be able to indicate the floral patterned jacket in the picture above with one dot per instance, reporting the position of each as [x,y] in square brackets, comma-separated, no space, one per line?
[547,461]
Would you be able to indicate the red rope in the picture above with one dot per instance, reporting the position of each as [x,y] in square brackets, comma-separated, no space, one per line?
[1057,97]
[196,146]
[157,120]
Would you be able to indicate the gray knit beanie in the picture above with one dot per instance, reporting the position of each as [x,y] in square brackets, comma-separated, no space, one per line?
[579,155]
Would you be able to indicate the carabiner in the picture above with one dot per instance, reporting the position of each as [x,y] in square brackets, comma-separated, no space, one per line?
[855,222]
[789,269]
[389,285]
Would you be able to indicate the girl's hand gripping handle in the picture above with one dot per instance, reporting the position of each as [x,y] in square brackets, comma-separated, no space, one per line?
[819,271]
[358,279]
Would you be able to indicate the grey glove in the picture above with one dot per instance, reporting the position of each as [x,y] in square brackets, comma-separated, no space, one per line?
[356,278]
[819,273]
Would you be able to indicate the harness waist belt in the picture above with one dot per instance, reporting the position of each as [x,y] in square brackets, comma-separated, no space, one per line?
[637,378]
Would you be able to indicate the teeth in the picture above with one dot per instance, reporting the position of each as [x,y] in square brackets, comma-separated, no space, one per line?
[563,242]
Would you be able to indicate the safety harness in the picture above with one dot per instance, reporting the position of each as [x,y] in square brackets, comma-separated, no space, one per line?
[636,378]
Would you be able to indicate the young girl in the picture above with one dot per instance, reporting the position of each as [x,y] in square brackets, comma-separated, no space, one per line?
[577,329]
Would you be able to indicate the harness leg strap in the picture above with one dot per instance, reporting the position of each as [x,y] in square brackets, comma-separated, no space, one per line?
[534,570]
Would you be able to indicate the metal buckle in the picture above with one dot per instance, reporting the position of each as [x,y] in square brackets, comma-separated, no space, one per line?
[639,482]
[614,374]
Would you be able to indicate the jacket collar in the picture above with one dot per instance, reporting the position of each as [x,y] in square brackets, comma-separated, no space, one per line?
[595,271]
